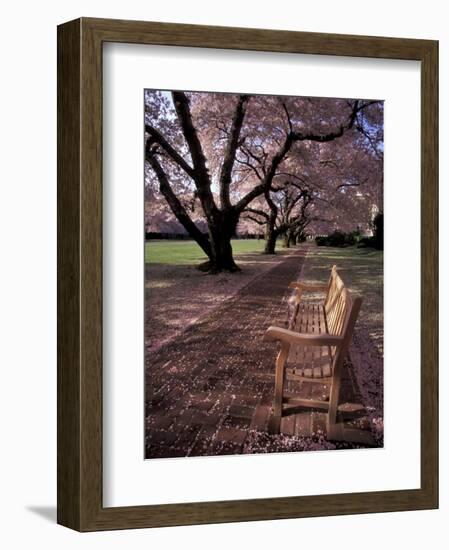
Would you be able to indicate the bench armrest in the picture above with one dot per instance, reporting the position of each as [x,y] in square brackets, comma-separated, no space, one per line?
[301,338]
[308,286]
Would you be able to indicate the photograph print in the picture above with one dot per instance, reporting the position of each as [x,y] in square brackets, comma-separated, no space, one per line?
[263,273]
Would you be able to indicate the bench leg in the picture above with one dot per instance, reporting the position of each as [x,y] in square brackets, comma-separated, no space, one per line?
[275,421]
[333,399]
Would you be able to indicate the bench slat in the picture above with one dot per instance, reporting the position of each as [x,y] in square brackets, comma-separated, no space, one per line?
[310,361]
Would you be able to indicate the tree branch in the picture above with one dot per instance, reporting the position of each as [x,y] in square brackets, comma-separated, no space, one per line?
[177,208]
[249,165]
[259,222]
[357,184]
[370,141]
[289,120]
[268,178]
[285,148]
[201,174]
[157,137]
[231,150]
[289,175]
[357,106]
[256,211]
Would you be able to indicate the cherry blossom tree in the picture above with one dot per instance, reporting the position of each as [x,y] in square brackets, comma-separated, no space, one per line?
[336,185]
[215,157]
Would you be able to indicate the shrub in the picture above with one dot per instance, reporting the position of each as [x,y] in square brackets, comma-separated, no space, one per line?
[321,241]
[339,239]
[365,242]
[378,230]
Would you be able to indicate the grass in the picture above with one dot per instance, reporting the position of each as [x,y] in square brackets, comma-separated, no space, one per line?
[189,253]
[361,268]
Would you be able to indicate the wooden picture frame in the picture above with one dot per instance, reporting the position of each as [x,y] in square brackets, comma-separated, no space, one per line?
[80,503]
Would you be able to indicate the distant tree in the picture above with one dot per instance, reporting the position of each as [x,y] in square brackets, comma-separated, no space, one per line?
[333,186]
[284,214]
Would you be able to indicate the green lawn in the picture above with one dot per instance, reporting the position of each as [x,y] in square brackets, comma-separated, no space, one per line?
[188,252]
[361,268]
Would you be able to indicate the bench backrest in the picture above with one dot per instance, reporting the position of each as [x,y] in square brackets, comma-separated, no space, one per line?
[340,306]
[342,310]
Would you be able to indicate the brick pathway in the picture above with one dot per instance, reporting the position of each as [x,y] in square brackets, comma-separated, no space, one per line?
[211,389]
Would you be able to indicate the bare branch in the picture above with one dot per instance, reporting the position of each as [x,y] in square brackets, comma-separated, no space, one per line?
[370,141]
[249,165]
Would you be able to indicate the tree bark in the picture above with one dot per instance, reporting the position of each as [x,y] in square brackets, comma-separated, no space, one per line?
[272,231]
[221,231]
[270,241]
[231,151]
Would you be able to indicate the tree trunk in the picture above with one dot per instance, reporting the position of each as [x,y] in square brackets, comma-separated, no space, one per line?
[221,232]
[300,237]
[270,240]
[222,258]
[270,243]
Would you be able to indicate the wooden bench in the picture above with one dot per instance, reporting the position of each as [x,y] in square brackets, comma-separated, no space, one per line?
[312,349]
